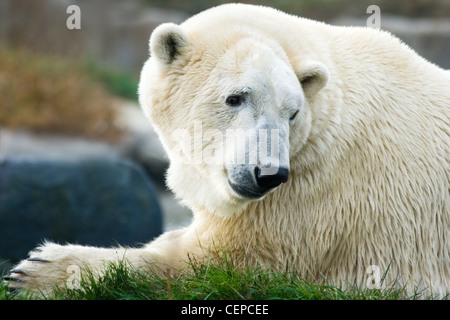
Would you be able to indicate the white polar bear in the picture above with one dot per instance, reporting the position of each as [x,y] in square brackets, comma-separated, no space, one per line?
[344,152]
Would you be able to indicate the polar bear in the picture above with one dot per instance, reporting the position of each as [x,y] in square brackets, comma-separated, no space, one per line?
[299,146]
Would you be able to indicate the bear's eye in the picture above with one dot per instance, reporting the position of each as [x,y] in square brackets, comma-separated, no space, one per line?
[293,116]
[234,100]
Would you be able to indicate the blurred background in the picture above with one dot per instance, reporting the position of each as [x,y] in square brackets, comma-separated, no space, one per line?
[78,160]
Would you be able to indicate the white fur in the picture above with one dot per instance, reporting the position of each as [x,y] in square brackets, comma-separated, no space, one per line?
[368,152]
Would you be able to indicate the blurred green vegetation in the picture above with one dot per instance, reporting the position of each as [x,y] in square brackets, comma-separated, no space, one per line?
[46,93]
[325,9]
[117,82]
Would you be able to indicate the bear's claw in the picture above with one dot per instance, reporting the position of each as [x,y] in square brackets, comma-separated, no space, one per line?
[18,277]
[36,259]
[19,271]
[14,283]
[12,278]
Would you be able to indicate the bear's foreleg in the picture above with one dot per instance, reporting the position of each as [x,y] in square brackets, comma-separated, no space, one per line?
[52,265]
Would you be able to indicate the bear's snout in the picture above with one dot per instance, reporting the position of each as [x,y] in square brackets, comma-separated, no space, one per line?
[271,181]
[252,183]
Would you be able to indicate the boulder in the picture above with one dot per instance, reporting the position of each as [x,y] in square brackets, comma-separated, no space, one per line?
[140,142]
[99,201]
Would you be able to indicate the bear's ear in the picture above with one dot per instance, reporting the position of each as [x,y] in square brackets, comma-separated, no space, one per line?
[167,41]
[313,76]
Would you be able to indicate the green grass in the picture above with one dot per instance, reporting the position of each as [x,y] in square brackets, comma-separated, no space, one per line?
[117,82]
[206,281]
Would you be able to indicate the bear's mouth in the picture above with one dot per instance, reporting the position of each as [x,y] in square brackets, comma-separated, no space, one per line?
[246,192]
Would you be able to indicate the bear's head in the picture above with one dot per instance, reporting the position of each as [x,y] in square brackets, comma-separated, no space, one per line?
[231,111]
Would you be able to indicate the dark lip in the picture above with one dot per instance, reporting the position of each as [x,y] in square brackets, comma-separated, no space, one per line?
[246,192]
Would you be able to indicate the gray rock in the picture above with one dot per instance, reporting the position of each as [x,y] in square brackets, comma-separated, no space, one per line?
[140,142]
[25,144]
[95,201]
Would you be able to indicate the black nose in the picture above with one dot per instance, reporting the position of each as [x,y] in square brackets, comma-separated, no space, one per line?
[273,180]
